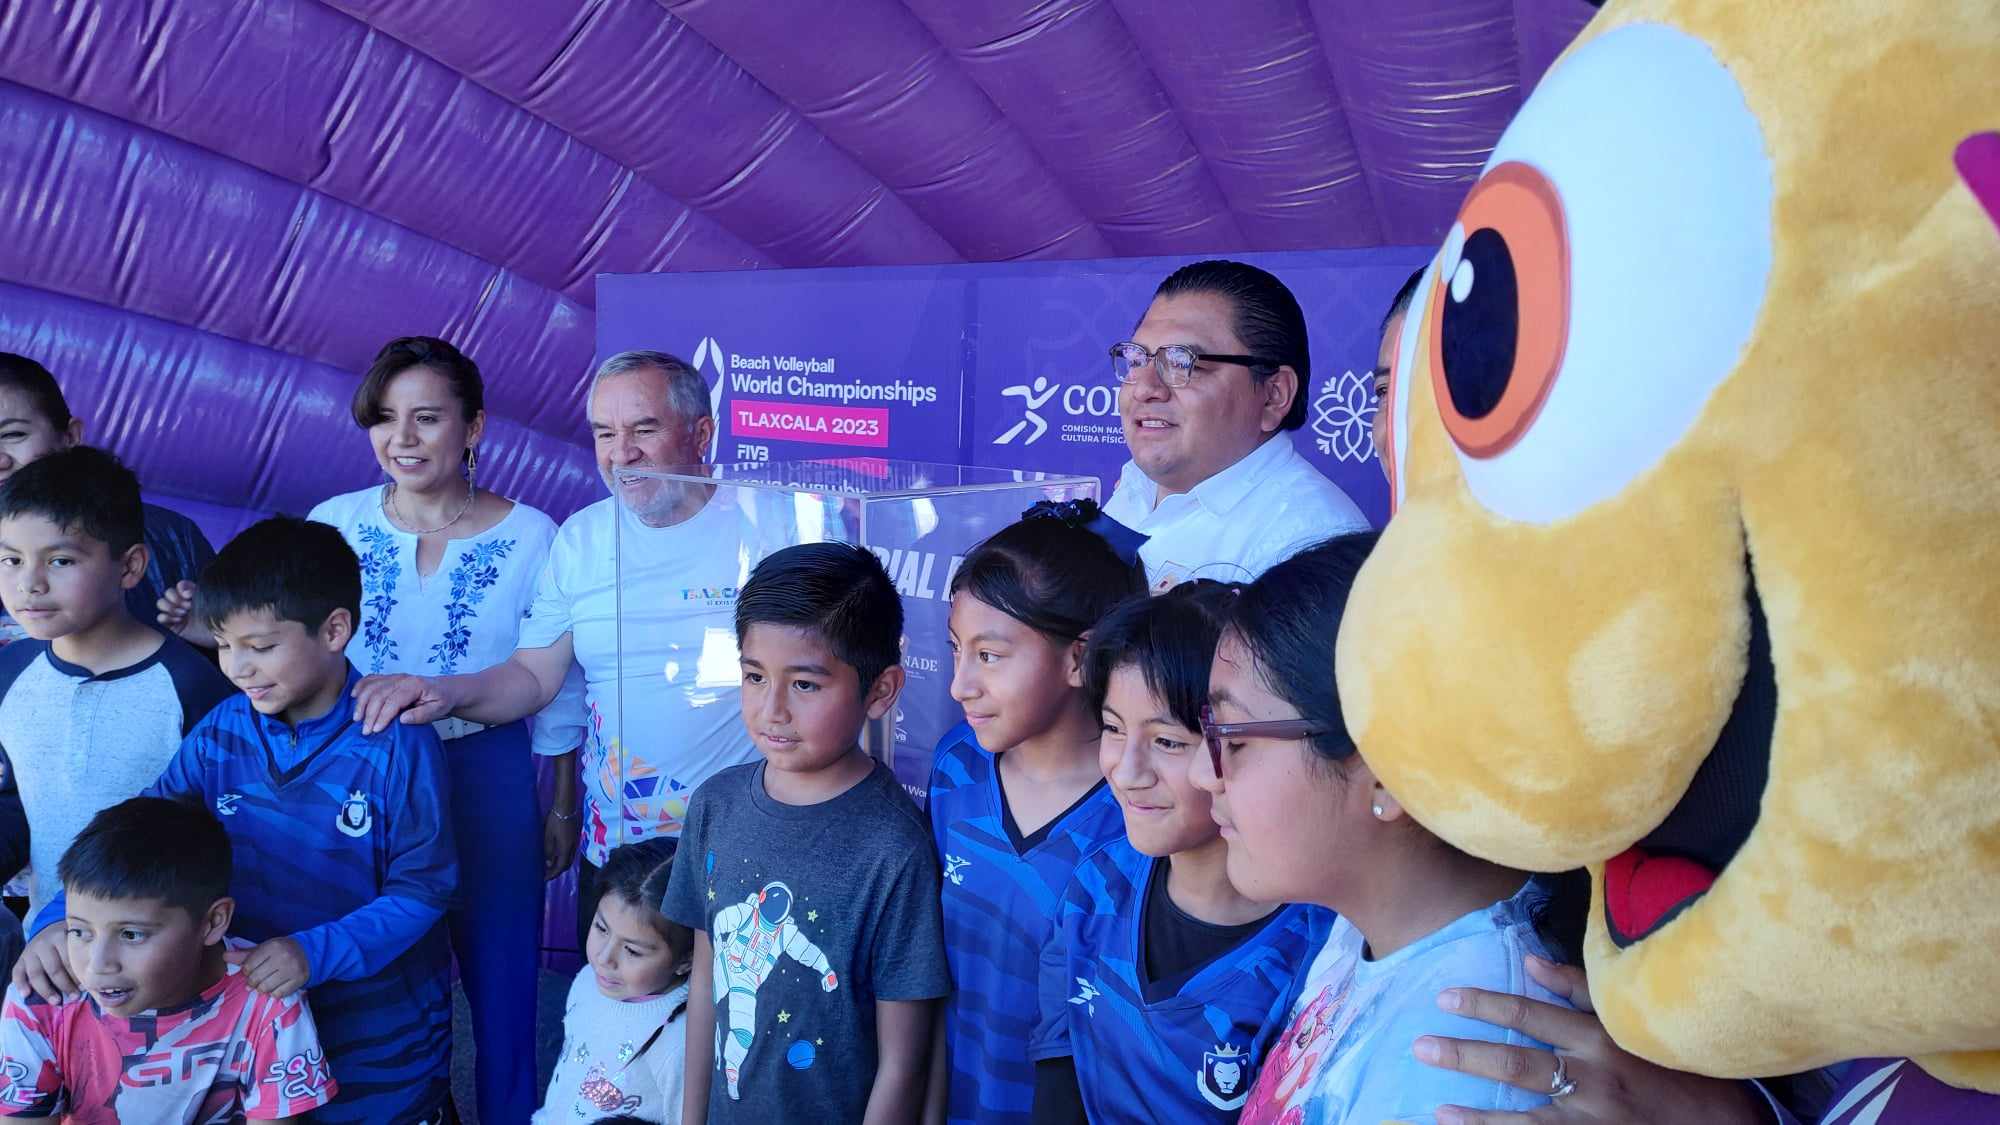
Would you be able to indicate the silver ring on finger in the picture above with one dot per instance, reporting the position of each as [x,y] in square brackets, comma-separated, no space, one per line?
[1561,1085]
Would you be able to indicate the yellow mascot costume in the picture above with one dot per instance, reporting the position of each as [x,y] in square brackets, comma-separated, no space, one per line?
[1694,577]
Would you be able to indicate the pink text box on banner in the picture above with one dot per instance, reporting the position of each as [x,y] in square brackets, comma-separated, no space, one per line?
[805,421]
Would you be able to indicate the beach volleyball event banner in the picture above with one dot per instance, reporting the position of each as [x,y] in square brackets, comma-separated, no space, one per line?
[995,365]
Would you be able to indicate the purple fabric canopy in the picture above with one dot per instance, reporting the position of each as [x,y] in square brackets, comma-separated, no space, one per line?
[214,211]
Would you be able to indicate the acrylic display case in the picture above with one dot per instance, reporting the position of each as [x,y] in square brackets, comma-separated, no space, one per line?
[919,519]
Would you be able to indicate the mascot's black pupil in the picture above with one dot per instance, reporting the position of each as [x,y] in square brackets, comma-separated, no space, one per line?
[1482,322]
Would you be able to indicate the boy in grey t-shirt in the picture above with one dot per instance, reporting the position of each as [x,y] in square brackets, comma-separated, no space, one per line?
[809,878]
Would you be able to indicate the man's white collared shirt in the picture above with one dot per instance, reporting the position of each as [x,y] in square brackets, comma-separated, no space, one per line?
[1238,523]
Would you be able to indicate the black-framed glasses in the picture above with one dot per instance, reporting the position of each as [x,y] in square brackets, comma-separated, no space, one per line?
[1174,363]
[1213,732]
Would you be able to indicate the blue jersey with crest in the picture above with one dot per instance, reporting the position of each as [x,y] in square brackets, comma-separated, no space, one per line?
[1185,1056]
[343,842]
[1000,896]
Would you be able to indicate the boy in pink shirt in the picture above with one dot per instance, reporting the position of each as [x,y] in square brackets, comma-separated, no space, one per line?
[165,1028]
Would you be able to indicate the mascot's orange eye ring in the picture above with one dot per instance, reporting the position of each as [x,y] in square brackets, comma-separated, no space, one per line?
[1499,321]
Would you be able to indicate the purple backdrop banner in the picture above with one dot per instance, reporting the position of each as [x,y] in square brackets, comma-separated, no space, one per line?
[996,364]
[1000,365]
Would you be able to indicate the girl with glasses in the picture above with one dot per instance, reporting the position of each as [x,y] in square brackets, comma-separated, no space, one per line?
[1306,820]
[1162,980]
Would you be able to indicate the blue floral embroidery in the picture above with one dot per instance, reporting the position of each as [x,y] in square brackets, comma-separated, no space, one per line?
[378,589]
[476,572]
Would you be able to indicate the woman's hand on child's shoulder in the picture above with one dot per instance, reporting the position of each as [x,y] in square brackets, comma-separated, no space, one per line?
[1607,1083]
[378,700]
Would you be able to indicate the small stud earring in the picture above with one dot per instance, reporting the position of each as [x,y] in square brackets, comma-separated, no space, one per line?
[1378,810]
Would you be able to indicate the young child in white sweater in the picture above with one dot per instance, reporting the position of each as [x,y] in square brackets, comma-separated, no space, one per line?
[624,1046]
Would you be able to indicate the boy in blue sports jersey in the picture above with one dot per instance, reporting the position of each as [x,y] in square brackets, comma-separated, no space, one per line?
[344,856]
[808,878]
[1161,983]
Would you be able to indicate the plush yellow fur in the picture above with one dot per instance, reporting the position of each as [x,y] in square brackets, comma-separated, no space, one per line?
[1541,695]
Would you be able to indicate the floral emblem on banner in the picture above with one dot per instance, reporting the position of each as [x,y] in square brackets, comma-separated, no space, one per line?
[1343,418]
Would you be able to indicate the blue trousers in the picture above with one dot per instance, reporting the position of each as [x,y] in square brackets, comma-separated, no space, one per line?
[496,926]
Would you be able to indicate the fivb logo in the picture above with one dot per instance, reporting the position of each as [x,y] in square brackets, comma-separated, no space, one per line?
[708,354]
[1076,400]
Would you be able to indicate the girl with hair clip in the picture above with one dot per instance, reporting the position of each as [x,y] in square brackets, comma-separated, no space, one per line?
[1308,821]
[1161,980]
[1016,799]
[624,1049]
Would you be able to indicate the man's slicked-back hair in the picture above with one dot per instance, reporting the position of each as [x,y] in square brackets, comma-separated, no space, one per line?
[161,848]
[1400,304]
[298,569]
[83,488]
[1267,319]
[26,375]
[836,590]
[1170,639]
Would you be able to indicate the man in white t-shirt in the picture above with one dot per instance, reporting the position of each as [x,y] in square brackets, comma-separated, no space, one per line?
[1214,381]
[655,566]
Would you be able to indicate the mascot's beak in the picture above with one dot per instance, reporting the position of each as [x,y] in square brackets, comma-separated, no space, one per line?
[1978,160]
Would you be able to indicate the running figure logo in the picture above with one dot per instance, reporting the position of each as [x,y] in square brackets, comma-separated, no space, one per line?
[1036,396]
[749,938]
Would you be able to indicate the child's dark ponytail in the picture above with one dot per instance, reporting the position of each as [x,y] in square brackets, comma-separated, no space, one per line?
[1056,570]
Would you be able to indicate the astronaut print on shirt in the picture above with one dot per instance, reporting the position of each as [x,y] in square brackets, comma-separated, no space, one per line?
[749,939]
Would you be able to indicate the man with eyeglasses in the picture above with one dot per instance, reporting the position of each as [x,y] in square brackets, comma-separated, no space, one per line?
[1211,385]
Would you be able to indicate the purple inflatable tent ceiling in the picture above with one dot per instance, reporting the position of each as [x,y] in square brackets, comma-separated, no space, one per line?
[214,211]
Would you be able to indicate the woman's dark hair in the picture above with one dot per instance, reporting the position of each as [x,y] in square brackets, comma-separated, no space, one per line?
[1170,639]
[1288,619]
[637,873]
[405,352]
[19,373]
[1400,304]
[1268,320]
[1053,575]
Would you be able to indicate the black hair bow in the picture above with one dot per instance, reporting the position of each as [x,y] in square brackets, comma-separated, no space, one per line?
[1085,515]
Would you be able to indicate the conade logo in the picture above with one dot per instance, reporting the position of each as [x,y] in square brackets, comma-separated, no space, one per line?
[1078,400]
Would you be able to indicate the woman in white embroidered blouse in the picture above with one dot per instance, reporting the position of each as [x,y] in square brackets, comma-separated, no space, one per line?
[448,571]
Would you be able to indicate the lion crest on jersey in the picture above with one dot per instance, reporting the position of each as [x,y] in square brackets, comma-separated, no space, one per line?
[1224,1077]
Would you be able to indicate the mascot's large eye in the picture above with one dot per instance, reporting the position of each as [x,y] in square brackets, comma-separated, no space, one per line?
[1603,276]
[1502,317]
